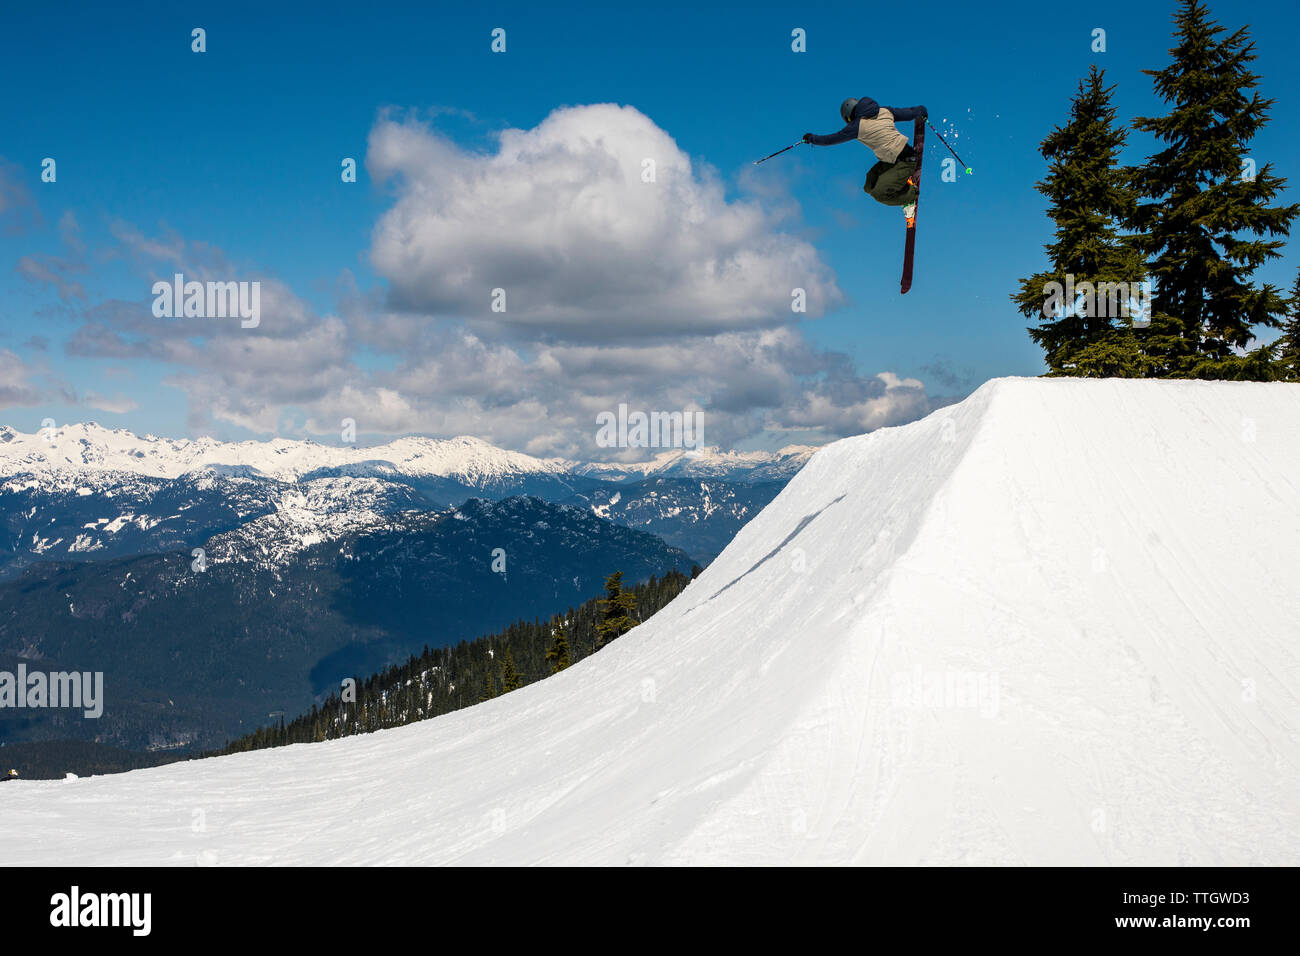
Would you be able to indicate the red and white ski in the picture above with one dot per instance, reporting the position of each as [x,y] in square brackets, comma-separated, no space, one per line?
[918,144]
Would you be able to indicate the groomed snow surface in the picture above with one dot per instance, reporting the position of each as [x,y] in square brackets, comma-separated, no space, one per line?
[1055,624]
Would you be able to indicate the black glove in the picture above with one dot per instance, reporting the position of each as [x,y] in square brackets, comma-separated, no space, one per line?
[807,137]
[925,114]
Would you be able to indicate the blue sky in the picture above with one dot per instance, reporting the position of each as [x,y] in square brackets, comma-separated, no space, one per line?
[232,156]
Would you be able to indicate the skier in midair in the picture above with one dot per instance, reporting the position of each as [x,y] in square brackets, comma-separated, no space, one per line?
[890,181]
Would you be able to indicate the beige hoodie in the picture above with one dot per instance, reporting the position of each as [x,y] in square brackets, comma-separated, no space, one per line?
[880,136]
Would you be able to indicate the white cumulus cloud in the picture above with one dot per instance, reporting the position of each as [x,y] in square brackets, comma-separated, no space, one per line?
[561,218]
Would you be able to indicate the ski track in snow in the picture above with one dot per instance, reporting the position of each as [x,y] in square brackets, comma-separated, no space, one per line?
[1114,560]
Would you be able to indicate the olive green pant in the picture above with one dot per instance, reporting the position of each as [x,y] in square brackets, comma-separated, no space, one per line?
[887,182]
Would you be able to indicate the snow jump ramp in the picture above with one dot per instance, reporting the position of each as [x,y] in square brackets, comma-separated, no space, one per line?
[1057,623]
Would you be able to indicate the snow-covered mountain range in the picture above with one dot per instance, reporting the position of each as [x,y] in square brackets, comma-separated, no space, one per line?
[93,515]
[746,467]
[699,515]
[83,492]
[88,447]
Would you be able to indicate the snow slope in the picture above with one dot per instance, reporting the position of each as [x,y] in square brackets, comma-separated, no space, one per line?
[1054,624]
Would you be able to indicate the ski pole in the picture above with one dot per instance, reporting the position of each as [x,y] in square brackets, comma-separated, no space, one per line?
[950,149]
[777,153]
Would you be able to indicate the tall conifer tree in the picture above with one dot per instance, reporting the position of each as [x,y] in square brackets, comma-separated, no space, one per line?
[509,674]
[1090,195]
[1207,211]
[557,655]
[618,611]
[1288,347]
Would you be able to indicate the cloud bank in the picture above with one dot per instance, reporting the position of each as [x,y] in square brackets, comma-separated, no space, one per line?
[630,276]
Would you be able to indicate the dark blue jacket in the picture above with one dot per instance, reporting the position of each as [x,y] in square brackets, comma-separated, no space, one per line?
[866,108]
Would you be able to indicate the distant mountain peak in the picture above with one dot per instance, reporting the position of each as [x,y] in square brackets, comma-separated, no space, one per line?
[88,446]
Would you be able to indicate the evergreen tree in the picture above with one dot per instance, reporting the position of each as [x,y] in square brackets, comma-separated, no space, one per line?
[1288,346]
[1206,215]
[617,608]
[1081,331]
[558,653]
[509,675]
[489,686]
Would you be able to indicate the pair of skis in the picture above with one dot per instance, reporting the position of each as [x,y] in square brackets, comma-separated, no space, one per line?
[909,248]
